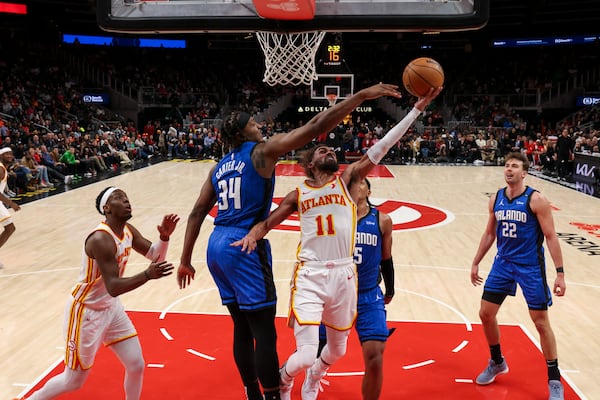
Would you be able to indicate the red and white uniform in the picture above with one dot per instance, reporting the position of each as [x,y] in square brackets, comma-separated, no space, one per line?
[5,218]
[93,316]
[324,281]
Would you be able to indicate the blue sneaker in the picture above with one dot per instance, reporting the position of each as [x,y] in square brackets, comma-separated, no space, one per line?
[556,389]
[491,372]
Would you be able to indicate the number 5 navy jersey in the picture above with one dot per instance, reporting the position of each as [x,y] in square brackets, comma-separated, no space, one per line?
[518,233]
[367,250]
[243,196]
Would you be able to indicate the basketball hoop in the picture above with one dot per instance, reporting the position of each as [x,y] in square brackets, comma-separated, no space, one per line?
[290,57]
[332,98]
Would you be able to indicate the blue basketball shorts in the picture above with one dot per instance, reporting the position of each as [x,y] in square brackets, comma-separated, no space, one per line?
[505,276]
[245,279]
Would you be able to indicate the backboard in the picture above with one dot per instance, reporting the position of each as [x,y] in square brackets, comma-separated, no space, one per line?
[218,16]
[340,84]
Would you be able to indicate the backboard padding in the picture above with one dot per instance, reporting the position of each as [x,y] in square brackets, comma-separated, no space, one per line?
[215,16]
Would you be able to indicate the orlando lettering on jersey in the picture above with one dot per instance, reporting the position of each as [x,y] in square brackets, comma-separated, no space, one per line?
[365,238]
[323,201]
[233,165]
[511,215]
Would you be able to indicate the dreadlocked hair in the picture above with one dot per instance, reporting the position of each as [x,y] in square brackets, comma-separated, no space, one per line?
[232,128]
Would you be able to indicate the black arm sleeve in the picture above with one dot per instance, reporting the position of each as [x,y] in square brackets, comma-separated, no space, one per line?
[387,271]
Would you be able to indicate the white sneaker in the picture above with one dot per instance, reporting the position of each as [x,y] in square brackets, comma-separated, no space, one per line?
[311,385]
[285,384]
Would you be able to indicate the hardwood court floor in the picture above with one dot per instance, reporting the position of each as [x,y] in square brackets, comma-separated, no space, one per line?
[432,258]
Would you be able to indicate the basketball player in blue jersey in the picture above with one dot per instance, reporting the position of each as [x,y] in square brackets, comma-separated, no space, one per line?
[519,220]
[94,315]
[241,185]
[324,287]
[373,259]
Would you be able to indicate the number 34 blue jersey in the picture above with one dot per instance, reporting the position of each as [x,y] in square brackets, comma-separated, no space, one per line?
[243,196]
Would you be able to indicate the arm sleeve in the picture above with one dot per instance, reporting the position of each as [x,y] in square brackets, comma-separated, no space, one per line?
[380,149]
[387,272]
[158,251]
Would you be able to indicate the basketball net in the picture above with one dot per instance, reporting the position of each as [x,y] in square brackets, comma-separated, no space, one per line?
[290,57]
[332,98]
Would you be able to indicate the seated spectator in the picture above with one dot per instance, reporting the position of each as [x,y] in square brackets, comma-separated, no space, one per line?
[56,169]
[489,150]
[74,166]
[38,171]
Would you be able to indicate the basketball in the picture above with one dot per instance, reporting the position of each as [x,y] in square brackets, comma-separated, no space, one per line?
[422,74]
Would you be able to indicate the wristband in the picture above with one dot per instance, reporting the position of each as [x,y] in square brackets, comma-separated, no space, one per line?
[560,270]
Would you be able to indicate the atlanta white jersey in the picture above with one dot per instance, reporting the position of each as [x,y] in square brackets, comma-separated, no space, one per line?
[327,221]
[90,289]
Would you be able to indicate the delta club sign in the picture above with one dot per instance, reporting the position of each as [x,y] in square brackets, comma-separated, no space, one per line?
[406,216]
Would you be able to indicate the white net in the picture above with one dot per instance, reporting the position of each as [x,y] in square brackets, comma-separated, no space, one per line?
[290,57]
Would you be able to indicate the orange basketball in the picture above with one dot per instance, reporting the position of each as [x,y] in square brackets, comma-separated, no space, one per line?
[422,74]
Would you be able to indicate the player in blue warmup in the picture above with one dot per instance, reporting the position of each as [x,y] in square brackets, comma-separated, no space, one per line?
[519,220]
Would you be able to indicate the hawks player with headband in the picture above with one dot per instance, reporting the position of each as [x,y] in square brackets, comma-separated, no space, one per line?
[94,315]
[324,284]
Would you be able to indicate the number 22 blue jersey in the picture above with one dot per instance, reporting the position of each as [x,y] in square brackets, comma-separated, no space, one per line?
[243,196]
[519,236]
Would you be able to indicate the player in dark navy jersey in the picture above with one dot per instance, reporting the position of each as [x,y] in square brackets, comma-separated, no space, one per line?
[241,185]
[519,220]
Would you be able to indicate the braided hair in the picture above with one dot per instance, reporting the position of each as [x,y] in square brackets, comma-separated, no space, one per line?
[232,128]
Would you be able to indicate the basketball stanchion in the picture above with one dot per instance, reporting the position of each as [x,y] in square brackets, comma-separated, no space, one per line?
[290,57]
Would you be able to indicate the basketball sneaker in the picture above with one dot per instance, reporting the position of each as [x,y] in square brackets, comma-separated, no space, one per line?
[491,372]
[311,385]
[286,383]
[556,389]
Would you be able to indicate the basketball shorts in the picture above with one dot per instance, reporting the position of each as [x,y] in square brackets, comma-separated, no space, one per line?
[245,279]
[505,276]
[5,217]
[324,291]
[371,321]
[86,329]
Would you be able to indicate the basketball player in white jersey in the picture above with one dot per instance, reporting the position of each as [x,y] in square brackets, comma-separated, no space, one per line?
[324,286]
[6,159]
[94,314]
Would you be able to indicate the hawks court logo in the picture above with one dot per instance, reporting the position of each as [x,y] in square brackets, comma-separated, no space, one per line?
[406,216]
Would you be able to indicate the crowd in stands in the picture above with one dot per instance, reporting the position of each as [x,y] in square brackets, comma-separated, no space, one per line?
[56,138]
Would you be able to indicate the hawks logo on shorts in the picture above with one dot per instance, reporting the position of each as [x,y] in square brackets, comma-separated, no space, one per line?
[406,216]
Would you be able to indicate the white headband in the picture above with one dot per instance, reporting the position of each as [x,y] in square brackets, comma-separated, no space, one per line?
[5,150]
[105,197]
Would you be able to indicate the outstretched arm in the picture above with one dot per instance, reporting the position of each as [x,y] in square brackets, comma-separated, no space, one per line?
[324,122]
[361,168]
[258,231]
